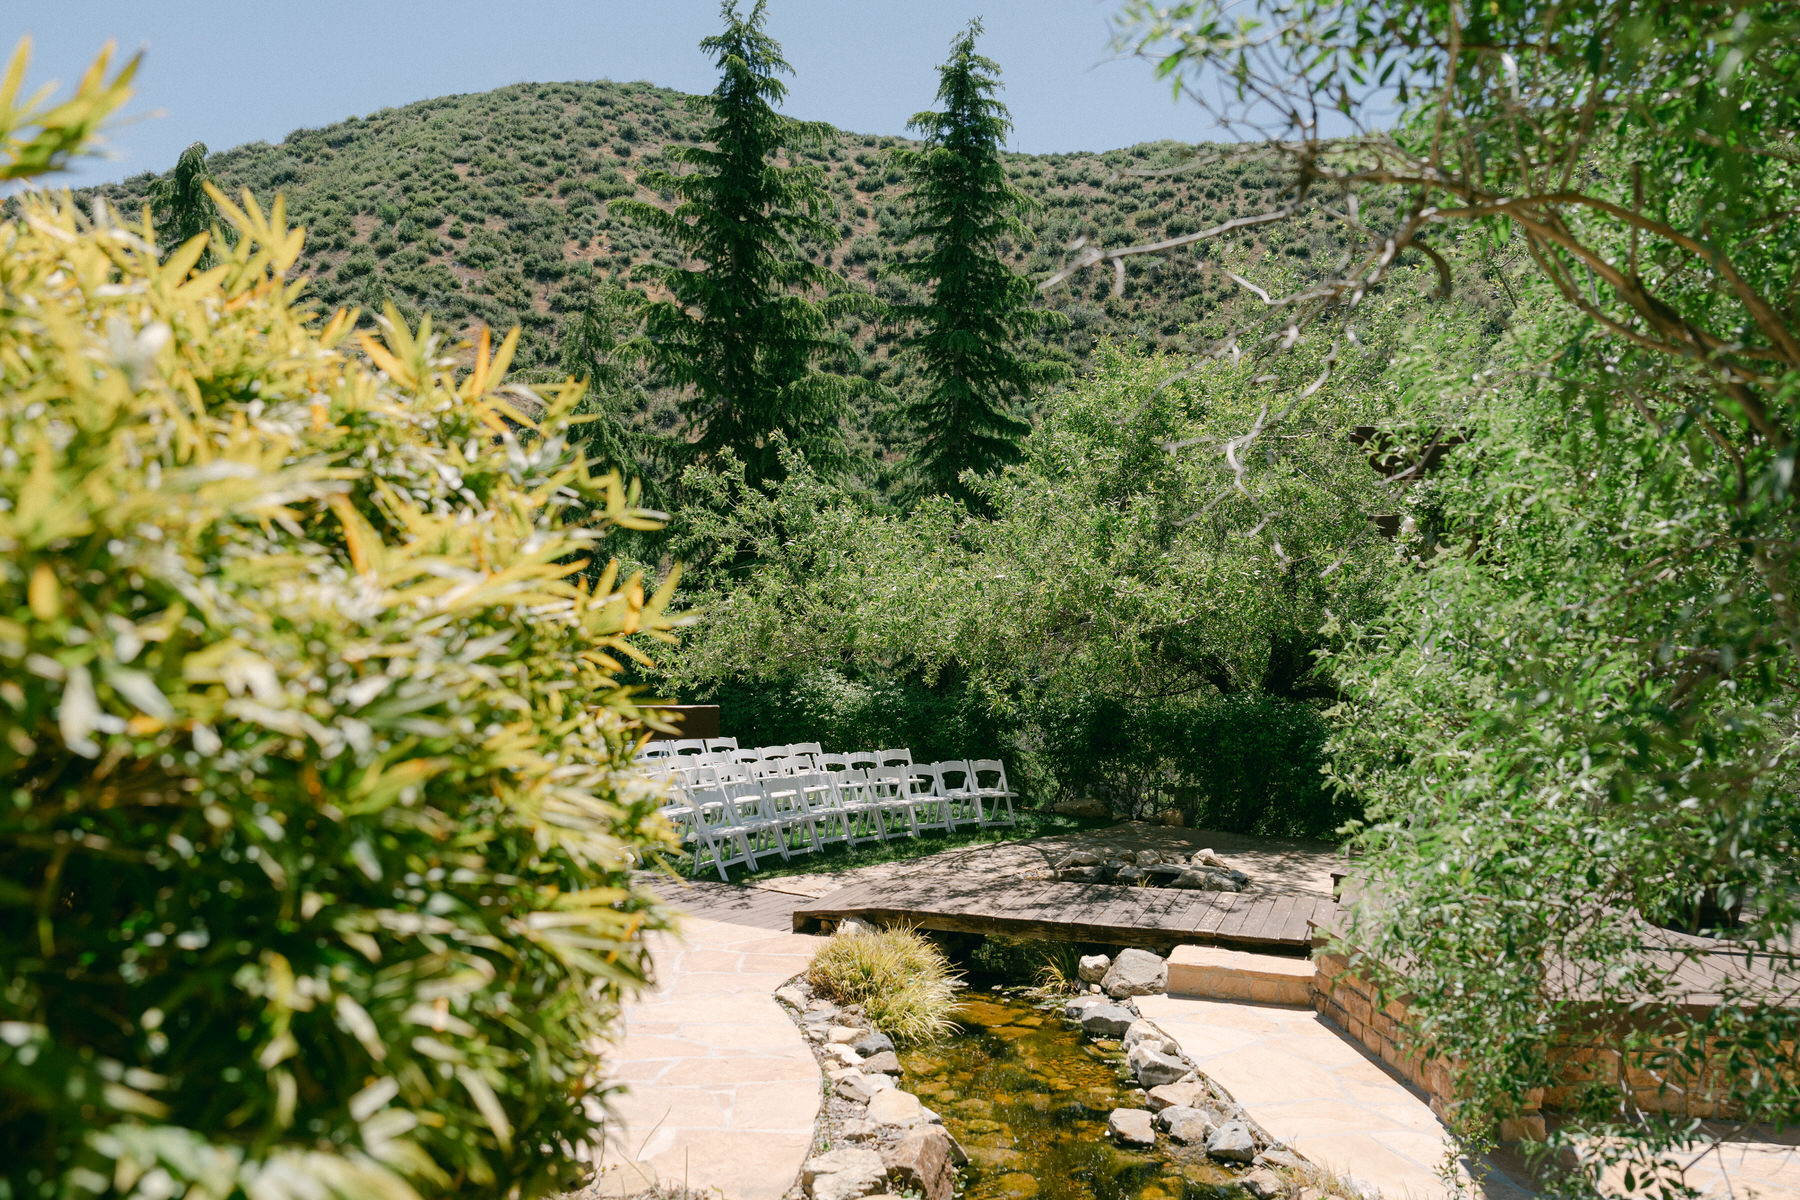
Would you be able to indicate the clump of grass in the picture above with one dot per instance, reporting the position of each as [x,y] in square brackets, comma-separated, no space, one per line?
[903,982]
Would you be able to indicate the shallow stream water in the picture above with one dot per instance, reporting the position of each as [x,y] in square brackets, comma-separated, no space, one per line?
[1028,1099]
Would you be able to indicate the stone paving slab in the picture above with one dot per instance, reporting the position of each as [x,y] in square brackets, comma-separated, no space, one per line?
[1319,1093]
[722,1091]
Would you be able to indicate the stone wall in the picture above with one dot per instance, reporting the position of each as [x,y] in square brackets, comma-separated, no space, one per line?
[1657,1083]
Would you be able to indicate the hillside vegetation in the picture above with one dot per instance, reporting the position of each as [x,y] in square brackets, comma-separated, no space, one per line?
[491,208]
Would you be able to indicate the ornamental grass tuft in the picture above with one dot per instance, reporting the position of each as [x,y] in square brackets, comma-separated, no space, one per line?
[903,982]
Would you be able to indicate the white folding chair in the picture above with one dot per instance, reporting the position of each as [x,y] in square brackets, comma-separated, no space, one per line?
[932,812]
[896,793]
[862,760]
[784,802]
[655,750]
[729,743]
[687,746]
[799,748]
[832,762]
[901,757]
[954,783]
[988,777]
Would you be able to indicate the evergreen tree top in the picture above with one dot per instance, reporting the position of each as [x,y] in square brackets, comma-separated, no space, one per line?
[967,82]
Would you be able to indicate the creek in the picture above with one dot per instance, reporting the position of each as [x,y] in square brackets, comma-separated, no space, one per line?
[1028,1099]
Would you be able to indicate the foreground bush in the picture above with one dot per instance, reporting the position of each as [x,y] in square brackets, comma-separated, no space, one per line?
[314,845]
[903,982]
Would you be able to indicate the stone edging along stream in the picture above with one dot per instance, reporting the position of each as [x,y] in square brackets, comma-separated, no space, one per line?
[872,1135]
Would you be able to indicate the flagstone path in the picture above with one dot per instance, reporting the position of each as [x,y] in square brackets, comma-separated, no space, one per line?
[722,1091]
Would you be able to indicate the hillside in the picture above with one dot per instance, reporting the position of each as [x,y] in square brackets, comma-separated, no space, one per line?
[490,207]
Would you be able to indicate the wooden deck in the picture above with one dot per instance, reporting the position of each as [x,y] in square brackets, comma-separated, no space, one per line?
[1078,912]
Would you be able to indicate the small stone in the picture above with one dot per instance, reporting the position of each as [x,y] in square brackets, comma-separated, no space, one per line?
[1084,874]
[1079,858]
[845,1055]
[885,1063]
[858,1130]
[1131,1127]
[895,1107]
[1129,876]
[842,1035]
[1285,1159]
[1183,1093]
[850,926]
[1232,1142]
[857,1087]
[1148,858]
[880,1083]
[1154,1068]
[1206,858]
[1106,1021]
[819,1008]
[922,1161]
[872,1043]
[1185,1125]
[1094,988]
[844,1174]
[1263,1184]
[1151,1033]
[1205,881]
[1091,968]
[1074,1008]
[815,1033]
[1136,973]
[791,996]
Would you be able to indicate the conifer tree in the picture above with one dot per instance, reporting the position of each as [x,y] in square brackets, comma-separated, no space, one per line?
[180,205]
[742,333]
[976,309]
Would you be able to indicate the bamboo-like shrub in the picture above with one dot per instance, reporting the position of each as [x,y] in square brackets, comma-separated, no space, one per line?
[314,836]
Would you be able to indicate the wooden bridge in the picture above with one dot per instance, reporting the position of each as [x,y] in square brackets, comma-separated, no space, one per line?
[1079,912]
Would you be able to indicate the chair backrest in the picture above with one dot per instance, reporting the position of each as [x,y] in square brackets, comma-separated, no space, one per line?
[690,746]
[729,743]
[771,768]
[989,766]
[655,750]
[891,782]
[952,776]
[863,760]
[805,748]
[901,757]
[832,762]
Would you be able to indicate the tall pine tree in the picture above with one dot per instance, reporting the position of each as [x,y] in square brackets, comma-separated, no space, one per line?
[741,334]
[976,310]
[180,206]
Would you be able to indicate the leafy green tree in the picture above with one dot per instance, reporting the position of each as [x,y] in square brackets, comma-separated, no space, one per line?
[742,333]
[590,353]
[1576,728]
[180,205]
[978,309]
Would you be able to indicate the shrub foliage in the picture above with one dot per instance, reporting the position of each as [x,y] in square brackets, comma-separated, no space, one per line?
[313,842]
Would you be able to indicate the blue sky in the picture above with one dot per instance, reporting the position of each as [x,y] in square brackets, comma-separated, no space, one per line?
[226,72]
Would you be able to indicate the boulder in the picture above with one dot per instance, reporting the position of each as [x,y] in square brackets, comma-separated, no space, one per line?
[851,926]
[1079,858]
[1154,1068]
[844,1174]
[1106,1021]
[1130,875]
[1135,973]
[922,1162]
[843,1054]
[1091,968]
[858,1130]
[1183,1093]
[1186,1125]
[1263,1184]
[843,1035]
[1131,1127]
[1148,858]
[791,996]
[1143,1031]
[1087,807]
[1098,874]
[880,1083]
[895,1107]
[1231,1142]
[872,1043]
[885,1063]
[857,1087]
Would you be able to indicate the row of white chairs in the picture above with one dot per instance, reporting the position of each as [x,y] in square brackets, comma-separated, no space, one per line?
[797,799]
